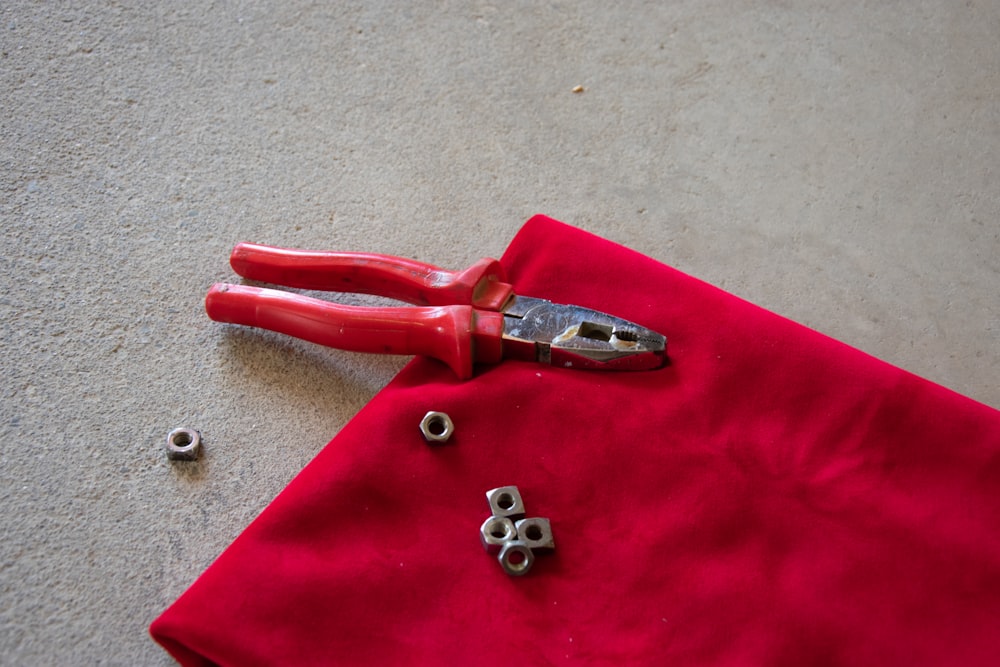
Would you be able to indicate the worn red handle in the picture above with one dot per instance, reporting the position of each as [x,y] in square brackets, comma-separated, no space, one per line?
[456,335]
[482,285]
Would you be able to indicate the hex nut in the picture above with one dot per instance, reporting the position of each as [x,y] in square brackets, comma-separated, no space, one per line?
[536,532]
[506,501]
[516,558]
[183,444]
[495,532]
[436,427]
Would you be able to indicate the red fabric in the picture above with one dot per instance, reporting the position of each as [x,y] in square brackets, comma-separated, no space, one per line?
[772,496]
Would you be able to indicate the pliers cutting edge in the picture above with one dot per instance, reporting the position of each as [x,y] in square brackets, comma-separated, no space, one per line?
[463,317]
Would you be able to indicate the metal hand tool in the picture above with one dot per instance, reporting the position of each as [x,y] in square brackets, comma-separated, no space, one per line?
[463,317]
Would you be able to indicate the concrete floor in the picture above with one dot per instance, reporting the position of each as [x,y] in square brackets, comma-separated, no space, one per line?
[833,162]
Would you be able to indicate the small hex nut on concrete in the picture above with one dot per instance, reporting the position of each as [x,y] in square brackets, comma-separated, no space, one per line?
[495,532]
[506,501]
[183,444]
[536,532]
[436,427]
[516,558]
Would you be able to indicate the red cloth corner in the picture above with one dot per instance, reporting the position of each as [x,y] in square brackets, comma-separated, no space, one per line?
[772,496]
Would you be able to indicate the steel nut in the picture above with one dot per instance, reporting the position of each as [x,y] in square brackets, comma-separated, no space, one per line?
[516,558]
[536,532]
[183,444]
[495,532]
[506,501]
[436,427]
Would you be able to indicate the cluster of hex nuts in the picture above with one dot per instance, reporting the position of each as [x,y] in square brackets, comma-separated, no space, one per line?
[514,539]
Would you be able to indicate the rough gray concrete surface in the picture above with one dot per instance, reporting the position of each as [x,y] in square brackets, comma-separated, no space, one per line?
[833,162]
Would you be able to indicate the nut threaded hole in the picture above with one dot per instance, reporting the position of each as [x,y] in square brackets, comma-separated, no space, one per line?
[498,529]
[505,501]
[517,561]
[436,426]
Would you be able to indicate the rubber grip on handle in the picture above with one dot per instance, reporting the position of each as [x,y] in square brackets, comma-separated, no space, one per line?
[482,285]
[456,335]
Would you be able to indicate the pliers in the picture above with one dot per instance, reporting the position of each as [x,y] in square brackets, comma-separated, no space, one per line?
[464,317]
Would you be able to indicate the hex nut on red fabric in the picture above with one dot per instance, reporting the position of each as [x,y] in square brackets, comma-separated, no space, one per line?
[437,427]
[536,532]
[516,558]
[495,532]
[506,501]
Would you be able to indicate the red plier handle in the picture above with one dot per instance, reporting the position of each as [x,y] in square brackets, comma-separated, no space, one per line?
[460,321]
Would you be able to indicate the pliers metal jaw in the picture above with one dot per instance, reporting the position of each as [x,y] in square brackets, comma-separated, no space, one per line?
[462,318]
[578,337]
